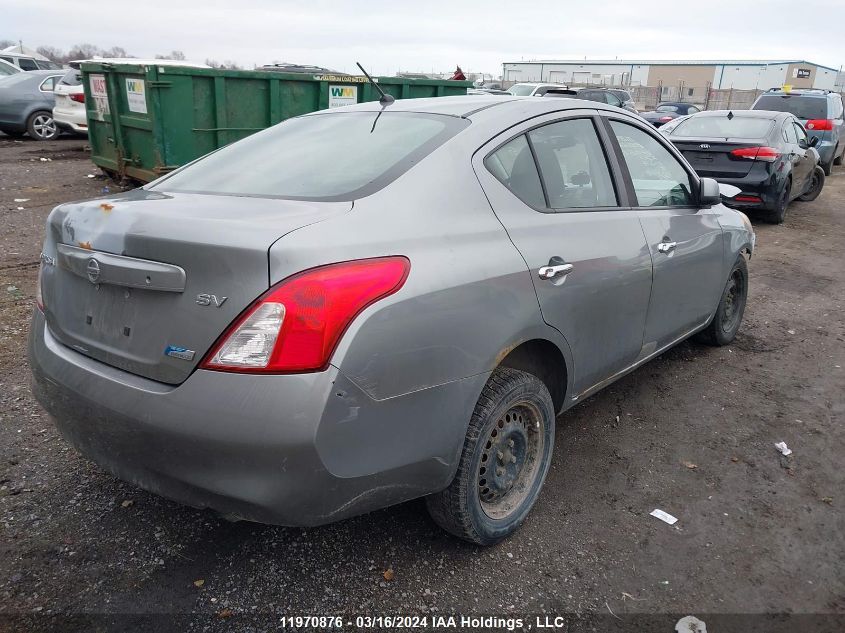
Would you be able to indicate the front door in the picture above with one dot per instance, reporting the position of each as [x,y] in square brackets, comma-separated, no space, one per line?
[685,241]
[551,185]
[803,161]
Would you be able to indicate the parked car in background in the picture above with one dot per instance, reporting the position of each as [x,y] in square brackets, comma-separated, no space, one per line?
[768,155]
[26,104]
[821,114]
[8,69]
[27,62]
[626,99]
[286,333]
[487,91]
[69,111]
[667,111]
[602,95]
[533,89]
[666,128]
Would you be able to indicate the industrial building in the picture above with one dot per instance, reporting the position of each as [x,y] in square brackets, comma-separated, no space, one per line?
[686,75]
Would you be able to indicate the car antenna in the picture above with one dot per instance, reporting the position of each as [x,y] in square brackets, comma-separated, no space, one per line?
[386,99]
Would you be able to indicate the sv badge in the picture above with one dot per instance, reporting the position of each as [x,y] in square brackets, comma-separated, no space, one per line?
[211,300]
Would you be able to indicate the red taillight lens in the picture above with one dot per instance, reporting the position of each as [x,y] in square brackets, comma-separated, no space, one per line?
[297,324]
[747,198]
[819,124]
[768,154]
[665,118]
[79,98]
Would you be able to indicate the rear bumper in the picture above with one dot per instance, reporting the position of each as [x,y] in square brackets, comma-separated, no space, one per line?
[766,189]
[70,120]
[296,450]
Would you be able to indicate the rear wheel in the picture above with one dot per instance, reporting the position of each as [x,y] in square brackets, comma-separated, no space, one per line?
[828,166]
[728,317]
[778,213]
[41,126]
[506,455]
[816,186]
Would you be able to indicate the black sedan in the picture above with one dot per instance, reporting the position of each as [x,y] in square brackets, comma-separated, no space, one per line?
[766,154]
[668,110]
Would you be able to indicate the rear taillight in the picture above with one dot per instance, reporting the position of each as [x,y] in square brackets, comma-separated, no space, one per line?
[79,98]
[296,325]
[768,154]
[819,124]
[665,118]
[747,198]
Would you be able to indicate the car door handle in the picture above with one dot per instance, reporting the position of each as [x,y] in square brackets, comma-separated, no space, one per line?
[550,272]
[666,247]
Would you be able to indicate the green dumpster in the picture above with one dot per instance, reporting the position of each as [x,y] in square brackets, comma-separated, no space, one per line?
[145,120]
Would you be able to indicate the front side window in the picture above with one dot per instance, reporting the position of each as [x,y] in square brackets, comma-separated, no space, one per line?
[658,177]
[513,165]
[799,132]
[338,156]
[573,165]
[789,134]
[27,64]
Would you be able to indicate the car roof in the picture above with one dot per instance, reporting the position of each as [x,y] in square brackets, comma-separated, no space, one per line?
[799,92]
[467,105]
[746,114]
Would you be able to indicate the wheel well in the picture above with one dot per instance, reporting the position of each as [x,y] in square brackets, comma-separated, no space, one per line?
[543,359]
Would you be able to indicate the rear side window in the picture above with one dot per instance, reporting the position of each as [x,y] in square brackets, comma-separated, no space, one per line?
[658,177]
[836,107]
[802,107]
[724,127]
[338,156]
[27,64]
[513,165]
[573,165]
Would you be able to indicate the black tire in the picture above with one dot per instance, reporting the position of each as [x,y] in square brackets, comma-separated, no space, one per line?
[41,127]
[725,324]
[816,186]
[778,213]
[828,166]
[512,430]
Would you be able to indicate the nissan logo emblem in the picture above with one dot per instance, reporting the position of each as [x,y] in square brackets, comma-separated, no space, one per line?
[93,270]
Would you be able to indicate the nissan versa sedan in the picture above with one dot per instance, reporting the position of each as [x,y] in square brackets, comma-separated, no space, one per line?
[362,306]
[766,154]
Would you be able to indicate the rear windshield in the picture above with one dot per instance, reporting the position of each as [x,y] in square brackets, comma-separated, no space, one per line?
[521,90]
[666,108]
[801,107]
[724,127]
[72,77]
[337,156]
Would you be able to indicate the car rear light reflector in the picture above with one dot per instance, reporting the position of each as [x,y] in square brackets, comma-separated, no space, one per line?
[39,297]
[79,98]
[747,198]
[665,118]
[296,325]
[819,124]
[768,154]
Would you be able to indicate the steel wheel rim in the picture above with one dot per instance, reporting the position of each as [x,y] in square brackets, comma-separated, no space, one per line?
[44,126]
[814,183]
[734,298]
[511,460]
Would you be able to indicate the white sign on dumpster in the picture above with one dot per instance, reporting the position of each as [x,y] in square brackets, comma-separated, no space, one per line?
[100,95]
[136,97]
[342,96]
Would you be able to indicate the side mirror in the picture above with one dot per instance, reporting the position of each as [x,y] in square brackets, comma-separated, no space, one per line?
[803,144]
[709,193]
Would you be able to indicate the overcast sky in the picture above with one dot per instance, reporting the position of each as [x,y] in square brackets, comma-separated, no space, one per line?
[427,35]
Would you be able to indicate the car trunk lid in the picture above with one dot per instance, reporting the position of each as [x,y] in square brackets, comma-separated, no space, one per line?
[712,158]
[147,282]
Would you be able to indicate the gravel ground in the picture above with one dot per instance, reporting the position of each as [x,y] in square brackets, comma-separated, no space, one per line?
[692,432]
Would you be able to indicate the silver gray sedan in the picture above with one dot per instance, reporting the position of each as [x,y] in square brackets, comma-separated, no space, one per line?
[362,306]
[26,104]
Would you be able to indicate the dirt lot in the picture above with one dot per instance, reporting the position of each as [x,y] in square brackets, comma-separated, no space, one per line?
[757,533]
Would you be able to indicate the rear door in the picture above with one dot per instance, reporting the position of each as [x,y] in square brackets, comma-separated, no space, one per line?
[582,242]
[803,160]
[685,241]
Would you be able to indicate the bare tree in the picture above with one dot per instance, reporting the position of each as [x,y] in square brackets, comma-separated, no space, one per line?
[7,44]
[51,52]
[115,51]
[226,64]
[179,55]
[84,51]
